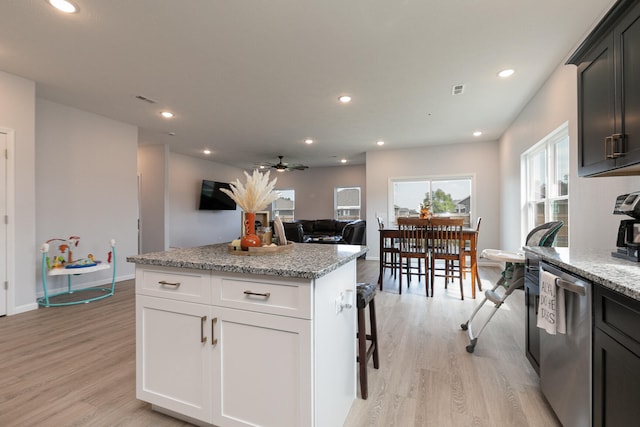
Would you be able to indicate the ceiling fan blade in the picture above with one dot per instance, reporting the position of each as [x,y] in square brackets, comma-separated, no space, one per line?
[282,166]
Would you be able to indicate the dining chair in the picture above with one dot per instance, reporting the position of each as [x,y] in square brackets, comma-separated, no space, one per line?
[413,245]
[469,268]
[389,257]
[447,245]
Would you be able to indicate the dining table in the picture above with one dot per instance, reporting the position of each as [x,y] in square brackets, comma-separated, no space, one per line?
[468,234]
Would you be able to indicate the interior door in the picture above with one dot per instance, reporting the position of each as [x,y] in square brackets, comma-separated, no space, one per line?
[3,225]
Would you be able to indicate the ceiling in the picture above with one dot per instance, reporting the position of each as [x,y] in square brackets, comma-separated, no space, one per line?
[251,80]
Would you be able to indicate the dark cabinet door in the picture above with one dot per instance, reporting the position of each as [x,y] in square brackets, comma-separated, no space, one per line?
[616,383]
[597,118]
[627,36]
[609,94]
[532,344]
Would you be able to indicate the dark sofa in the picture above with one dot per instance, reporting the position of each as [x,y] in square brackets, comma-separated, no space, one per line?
[346,232]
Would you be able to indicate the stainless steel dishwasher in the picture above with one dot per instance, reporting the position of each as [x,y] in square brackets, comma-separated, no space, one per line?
[565,359]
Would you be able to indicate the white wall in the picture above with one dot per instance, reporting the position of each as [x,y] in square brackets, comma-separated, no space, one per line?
[17,113]
[315,188]
[189,226]
[479,159]
[86,186]
[591,200]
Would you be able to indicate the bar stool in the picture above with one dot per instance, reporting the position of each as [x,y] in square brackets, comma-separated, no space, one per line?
[366,293]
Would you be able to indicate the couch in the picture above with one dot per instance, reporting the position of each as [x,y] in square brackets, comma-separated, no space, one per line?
[343,232]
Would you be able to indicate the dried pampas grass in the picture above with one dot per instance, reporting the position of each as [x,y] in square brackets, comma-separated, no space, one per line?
[256,194]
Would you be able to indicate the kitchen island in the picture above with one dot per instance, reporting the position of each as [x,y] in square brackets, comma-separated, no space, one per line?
[229,340]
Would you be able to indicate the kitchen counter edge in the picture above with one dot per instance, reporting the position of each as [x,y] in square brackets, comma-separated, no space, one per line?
[306,260]
[595,265]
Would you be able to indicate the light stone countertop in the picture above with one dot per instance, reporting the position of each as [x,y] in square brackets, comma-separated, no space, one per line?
[305,260]
[595,265]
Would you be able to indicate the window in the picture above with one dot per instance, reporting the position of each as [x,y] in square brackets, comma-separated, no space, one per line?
[285,205]
[447,195]
[347,203]
[546,183]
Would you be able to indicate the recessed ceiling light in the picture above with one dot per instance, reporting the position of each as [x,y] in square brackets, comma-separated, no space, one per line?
[64,6]
[308,141]
[380,142]
[205,151]
[343,161]
[477,133]
[345,99]
[506,73]
[166,114]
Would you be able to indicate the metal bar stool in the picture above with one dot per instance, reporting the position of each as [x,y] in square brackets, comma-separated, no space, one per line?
[366,293]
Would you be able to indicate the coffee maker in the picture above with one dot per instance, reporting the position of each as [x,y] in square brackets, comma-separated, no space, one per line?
[628,241]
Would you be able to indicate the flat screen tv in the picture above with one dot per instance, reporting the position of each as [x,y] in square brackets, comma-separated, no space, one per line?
[212,199]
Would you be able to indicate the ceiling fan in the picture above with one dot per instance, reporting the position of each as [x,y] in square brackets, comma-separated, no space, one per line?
[281,166]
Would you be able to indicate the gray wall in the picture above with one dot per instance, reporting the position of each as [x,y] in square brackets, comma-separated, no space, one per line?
[591,200]
[479,159]
[188,225]
[153,176]
[315,188]
[86,186]
[17,113]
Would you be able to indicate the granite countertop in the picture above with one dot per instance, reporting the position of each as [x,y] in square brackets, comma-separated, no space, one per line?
[595,265]
[305,260]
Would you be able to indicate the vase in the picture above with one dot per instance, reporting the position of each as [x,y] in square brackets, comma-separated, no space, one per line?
[250,239]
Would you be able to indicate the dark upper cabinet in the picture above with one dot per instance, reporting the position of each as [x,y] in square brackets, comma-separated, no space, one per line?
[609,94]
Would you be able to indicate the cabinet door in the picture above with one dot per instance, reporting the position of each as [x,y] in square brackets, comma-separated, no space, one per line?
[627,37]
[597,115]
[616,382]
[173,354]
[532,342]
[265,369]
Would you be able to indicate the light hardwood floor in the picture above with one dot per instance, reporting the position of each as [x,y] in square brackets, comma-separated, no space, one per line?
[75,366]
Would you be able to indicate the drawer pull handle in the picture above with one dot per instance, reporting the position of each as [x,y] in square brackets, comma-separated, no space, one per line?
[258,294]
[165,283]
[203,320]
[214,340]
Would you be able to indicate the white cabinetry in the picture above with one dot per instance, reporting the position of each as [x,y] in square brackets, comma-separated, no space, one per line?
[241,350]
[173,365]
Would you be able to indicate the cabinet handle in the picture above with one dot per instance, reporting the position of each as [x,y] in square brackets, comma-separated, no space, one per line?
[614,146]
[266,294]
[608,147]
[618,145]
[214,340]
[203,320]
[165,283]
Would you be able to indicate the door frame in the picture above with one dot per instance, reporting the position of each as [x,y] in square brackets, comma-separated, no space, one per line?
[10,200]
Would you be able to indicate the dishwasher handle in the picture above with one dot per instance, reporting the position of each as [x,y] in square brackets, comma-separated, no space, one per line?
[576,288]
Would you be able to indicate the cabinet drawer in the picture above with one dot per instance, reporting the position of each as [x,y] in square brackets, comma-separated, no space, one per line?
[182,284]
[287,298]
[618,316]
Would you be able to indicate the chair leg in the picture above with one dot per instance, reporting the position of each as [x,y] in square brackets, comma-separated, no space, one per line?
[400,274]
[362,353]
[374,333]
[461,291]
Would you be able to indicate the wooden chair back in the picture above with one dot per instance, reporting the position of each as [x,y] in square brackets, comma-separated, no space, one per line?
[445,237]
[413,240]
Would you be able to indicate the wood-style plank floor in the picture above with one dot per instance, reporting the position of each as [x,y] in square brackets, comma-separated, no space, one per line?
[75,366]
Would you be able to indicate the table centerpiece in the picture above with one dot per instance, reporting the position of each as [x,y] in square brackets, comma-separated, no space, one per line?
[252,197]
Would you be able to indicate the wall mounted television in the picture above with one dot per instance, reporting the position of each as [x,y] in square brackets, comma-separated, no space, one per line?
[212,199]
